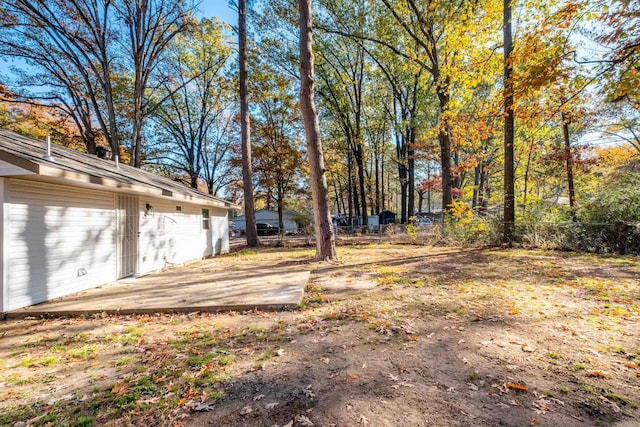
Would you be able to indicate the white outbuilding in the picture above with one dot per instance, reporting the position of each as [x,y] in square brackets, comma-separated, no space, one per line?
[72,221]
[269,217]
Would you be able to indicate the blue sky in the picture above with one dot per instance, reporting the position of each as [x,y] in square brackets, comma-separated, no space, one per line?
[220,9]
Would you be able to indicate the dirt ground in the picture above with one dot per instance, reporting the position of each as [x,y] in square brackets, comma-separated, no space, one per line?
[392,335]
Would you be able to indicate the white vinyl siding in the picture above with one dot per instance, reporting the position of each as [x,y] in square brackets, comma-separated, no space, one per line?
[168,237]
[61,241]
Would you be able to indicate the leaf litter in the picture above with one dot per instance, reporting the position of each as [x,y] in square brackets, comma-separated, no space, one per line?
[558,390]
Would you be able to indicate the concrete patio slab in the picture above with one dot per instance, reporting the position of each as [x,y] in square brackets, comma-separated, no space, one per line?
[197,287]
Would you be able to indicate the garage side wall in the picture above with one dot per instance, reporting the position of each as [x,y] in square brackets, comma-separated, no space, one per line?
[61,241]
[173,233]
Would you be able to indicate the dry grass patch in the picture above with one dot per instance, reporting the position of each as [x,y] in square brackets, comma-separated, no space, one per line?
[389,334]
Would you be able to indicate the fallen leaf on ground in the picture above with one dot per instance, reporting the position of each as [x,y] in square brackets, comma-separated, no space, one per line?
[353,376]
[517,387]
[542,406]
[392,377]
[472,386]
[363,421]
[325,359]
[258,397]
[631,365]
[558,401]
[246,410]
[303,420]
[598,374]
[206,406]
[514,311]
[614,407]
[308,392]
[120,388]
[271,405]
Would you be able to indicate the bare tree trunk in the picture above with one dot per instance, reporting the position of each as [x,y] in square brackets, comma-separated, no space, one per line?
[527,169]
[382,194]
[350,185]
[509,169]
[567,152]
[325,240]
[476,185]
[377,181]
[249,208]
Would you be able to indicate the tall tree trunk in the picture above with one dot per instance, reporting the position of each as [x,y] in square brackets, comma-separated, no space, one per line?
[377,181]
[402,173]
[280,204]
[325,240]
[350,195]
[567,152]
[361,184]
[247,184]
[509,163]
[445,146]
[138,117]
[411,183]
[476,185]
[382,194]
[525,195]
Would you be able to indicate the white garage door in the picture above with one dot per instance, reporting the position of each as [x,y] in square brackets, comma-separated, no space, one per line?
[62,241]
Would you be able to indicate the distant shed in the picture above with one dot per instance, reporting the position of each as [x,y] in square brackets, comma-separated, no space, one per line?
[387,217]
[269,217]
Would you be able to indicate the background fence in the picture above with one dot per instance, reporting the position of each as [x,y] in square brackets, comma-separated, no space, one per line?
[622,238]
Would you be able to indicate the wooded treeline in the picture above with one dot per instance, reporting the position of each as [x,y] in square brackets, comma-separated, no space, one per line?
[411,98]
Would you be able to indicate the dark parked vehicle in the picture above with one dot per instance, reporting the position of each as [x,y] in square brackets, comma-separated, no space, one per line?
[265,229]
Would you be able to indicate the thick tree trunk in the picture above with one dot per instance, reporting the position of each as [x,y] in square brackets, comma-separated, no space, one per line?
[325,240]
[193,177]
[247,184]
[411,183]
[445,148]
[569,159]
[280,203]
[509,162]
[402,173]
[89,137]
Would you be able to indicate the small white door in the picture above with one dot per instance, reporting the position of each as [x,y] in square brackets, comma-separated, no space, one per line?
[127,235]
